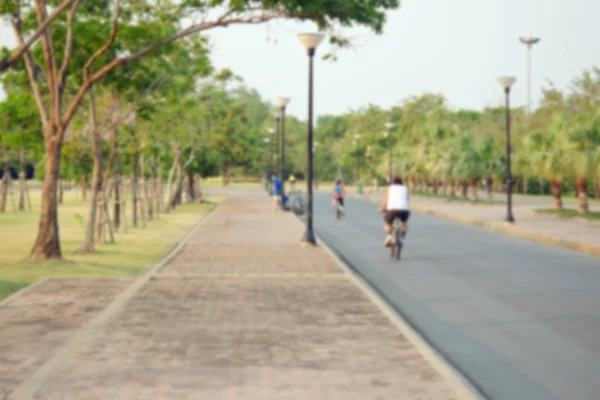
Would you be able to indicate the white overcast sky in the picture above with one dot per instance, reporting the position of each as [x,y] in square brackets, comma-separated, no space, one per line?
[454,47]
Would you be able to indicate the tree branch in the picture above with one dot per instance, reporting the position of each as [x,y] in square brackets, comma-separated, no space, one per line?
[40,8]
[190,159]
[23,47]
[30,67]
[222,21]
[109,42]
[62,77]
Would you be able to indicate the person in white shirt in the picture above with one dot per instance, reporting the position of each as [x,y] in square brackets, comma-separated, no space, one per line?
[395,205]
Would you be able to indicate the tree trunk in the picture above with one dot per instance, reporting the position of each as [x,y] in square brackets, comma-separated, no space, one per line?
[134,189]
[5,180]
[170,182]
[178,186]
[473,187]
[88,241]
[444,187]
[452,188]
[83,183]
[582,185]
[489,186]
[556,192]
[146,199]
[525,185]
[117,205]
[47,242]
[22,183]
[191,187]
[464,189]
[159,191]
[541,183]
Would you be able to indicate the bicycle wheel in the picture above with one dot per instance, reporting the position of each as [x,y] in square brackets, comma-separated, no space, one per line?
[298,206]
[398,244]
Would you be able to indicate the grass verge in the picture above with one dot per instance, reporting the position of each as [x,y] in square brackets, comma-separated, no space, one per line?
[569,213]
[132,253]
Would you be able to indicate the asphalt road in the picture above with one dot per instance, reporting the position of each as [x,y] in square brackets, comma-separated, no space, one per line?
[520,320]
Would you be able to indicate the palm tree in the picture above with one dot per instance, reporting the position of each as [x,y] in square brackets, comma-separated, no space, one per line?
[468,166]
[583,144]
[549,157]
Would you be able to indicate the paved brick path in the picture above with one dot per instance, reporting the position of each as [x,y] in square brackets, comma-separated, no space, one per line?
[243,312]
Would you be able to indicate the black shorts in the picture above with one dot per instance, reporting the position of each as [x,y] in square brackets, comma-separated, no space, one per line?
[390,216]
[340,201]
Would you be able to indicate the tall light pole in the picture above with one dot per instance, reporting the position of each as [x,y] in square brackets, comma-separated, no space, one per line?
[315,146]
[267,140]
[272,132]
[389,126]
[282,102]
[356,140]
[506,82]
[310,42]
[529,41]
[277,116]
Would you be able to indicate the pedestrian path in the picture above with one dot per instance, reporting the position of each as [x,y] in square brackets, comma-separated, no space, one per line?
[241,312]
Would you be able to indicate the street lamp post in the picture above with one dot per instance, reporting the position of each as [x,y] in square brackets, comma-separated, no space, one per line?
[272,132]
[389,126]
[267,140]
[282,102]
[310,42]
[315,146]
[356,139]
[507,83]
[529,41]
[277,141]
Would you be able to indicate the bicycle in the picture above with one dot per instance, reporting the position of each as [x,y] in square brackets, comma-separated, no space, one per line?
[339,211]
[397,244]
[297,204]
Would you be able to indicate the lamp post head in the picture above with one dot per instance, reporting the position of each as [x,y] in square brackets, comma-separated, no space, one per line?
[506,82]
[529,40]
[311,41]
[282,101]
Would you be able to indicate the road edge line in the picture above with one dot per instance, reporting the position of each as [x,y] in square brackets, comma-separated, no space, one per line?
[455,379]
[28,389]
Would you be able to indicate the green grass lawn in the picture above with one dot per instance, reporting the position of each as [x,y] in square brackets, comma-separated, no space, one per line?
[569,213]
[132,253]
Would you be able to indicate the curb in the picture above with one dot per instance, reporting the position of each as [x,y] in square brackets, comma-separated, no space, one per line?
[514,231]
[455,379]
[510,230]
[28,389]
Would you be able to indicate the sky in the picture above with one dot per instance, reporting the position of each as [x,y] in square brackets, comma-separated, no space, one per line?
[454,47]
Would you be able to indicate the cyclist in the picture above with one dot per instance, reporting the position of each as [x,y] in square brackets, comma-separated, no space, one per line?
[337,193]
[292,180]
[395,205]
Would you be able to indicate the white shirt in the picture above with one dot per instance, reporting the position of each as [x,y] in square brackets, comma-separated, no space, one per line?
[397,198]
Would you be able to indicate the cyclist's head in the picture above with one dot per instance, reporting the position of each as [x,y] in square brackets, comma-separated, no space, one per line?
[397,181]
[338,182]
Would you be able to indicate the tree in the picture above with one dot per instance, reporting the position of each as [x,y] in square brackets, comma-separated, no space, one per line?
[156,25]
